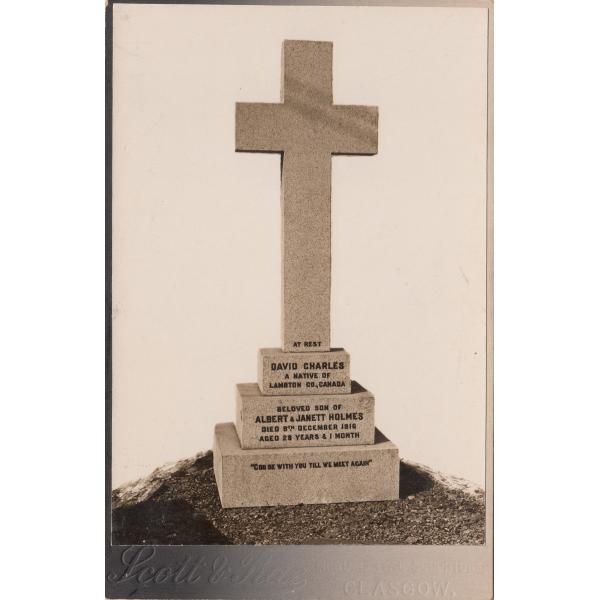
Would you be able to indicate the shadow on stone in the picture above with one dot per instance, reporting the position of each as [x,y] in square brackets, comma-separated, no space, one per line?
[163,522]
[413,480]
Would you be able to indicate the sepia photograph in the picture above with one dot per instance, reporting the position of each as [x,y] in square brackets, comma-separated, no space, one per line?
[300,299]
[300,277]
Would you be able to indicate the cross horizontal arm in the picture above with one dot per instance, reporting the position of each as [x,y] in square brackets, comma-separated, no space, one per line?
[353,129]
[259,127]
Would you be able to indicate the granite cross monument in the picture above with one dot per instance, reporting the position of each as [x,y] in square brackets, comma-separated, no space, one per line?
[305,433]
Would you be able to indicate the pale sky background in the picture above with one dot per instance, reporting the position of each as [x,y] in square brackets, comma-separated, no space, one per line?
[196,275]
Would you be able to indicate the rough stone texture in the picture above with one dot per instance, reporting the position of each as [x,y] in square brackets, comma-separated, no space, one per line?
[293,421]
[282,476]
[307,128]
[306,372]
[179,504]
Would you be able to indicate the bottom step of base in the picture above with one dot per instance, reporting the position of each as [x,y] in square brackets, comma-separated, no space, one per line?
[287,476]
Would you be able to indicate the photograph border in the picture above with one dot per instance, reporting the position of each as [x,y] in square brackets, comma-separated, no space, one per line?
[323,571]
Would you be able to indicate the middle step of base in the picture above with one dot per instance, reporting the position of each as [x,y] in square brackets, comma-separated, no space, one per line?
[295,421]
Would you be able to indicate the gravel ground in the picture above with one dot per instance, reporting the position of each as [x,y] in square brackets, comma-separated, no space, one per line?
[180,505]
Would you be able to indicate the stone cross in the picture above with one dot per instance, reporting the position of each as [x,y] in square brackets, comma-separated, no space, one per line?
[307,128]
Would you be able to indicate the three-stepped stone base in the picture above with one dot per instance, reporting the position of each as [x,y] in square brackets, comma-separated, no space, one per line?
[288,476]
[291,421]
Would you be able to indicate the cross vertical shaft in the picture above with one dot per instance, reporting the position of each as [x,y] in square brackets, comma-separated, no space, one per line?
[306,250]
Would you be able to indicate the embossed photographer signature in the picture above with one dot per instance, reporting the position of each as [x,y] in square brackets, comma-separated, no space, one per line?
[141,565]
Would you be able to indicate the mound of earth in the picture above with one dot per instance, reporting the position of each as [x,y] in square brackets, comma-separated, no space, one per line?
[179,504]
